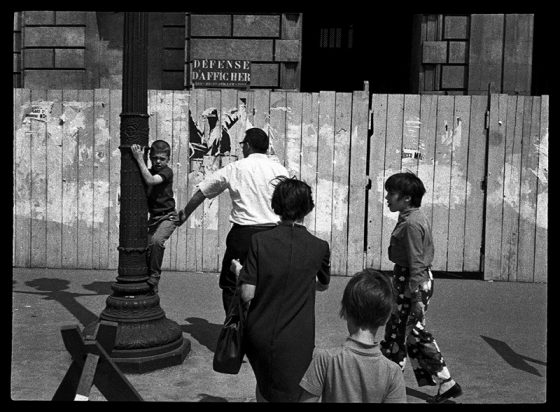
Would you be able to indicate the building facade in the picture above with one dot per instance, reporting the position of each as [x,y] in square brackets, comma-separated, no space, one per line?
[424,53]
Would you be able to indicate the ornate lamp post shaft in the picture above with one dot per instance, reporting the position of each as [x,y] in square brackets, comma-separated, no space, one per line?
[146,339]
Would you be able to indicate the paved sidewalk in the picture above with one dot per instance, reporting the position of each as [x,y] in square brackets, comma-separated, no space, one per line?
[492,335]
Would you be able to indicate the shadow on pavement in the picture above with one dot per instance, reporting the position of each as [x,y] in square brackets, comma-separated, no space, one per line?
[56,289]
[204,332]
[514,359]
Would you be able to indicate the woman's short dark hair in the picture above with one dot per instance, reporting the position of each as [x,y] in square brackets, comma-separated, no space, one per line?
[407,184]
[291,199]
[368,299]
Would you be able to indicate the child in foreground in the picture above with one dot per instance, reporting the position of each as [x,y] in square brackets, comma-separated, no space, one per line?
[357,371]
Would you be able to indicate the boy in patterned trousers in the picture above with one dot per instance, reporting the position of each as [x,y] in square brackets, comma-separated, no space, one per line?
[412,250]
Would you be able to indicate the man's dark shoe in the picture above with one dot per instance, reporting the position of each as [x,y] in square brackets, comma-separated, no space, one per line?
[454,392]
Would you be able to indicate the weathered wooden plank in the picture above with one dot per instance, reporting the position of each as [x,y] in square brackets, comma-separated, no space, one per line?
[181,161]
[230,121]
[101,160]
[153,112]
[541,234]
[175,164]
[16,102]
[194,224]
[197,105]
[294,102]
[528,201]
[115,104]
[211,259]
[39,182]
[163,111]
[71,108]
[54,181]
[494,197]
[213,116]
[427,148]
[376,194]
[325,158]
[277,130]
[357,183]
[512,166]
[485,52]
[85,179]
[411,133]
[246,107]
[309,138]
[261,109]
[475,194]
[341,173]
[458,185]
[393,153]
[224,210]
[442,181]
[22,179]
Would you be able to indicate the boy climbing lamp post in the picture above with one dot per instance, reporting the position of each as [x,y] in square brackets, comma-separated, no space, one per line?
[146,340]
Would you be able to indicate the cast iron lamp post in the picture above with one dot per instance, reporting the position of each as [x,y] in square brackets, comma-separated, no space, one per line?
[146,340]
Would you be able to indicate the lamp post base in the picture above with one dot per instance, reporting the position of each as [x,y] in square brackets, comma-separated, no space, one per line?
[144,360]
[146,340]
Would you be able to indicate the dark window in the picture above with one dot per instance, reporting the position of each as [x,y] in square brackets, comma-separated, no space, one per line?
[336,37]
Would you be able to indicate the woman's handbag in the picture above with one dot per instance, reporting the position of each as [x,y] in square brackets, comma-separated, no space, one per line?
[229,352]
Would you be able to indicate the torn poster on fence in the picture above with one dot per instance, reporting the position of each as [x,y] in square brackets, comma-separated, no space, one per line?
[36,113]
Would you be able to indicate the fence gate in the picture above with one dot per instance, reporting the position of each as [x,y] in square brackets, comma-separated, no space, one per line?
[67,173]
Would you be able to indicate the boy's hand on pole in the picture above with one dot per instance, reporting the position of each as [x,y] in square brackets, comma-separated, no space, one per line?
[137,151]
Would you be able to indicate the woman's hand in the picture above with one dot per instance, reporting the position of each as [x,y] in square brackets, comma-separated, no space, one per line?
[235,267]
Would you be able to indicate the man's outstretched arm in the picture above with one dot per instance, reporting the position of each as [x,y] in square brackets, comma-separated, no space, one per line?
[191,206]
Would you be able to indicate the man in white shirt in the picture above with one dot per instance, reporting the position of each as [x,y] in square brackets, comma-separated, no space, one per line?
[250,182]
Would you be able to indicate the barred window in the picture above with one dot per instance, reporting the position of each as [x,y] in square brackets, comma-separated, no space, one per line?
[336,37]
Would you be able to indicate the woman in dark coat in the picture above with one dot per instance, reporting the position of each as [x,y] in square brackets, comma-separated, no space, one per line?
[284,268]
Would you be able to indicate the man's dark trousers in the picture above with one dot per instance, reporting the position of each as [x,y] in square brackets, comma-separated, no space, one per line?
[238,242]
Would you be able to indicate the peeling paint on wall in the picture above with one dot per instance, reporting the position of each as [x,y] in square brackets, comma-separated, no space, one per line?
[541,150]
[511,188]
[210,215]
[323,209]
[339,196]
[87,213]
[293,152]
[102,135]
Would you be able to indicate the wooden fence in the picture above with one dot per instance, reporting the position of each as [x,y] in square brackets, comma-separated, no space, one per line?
[345,145]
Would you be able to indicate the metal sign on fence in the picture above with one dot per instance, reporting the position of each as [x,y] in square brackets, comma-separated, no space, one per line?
[220,73]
